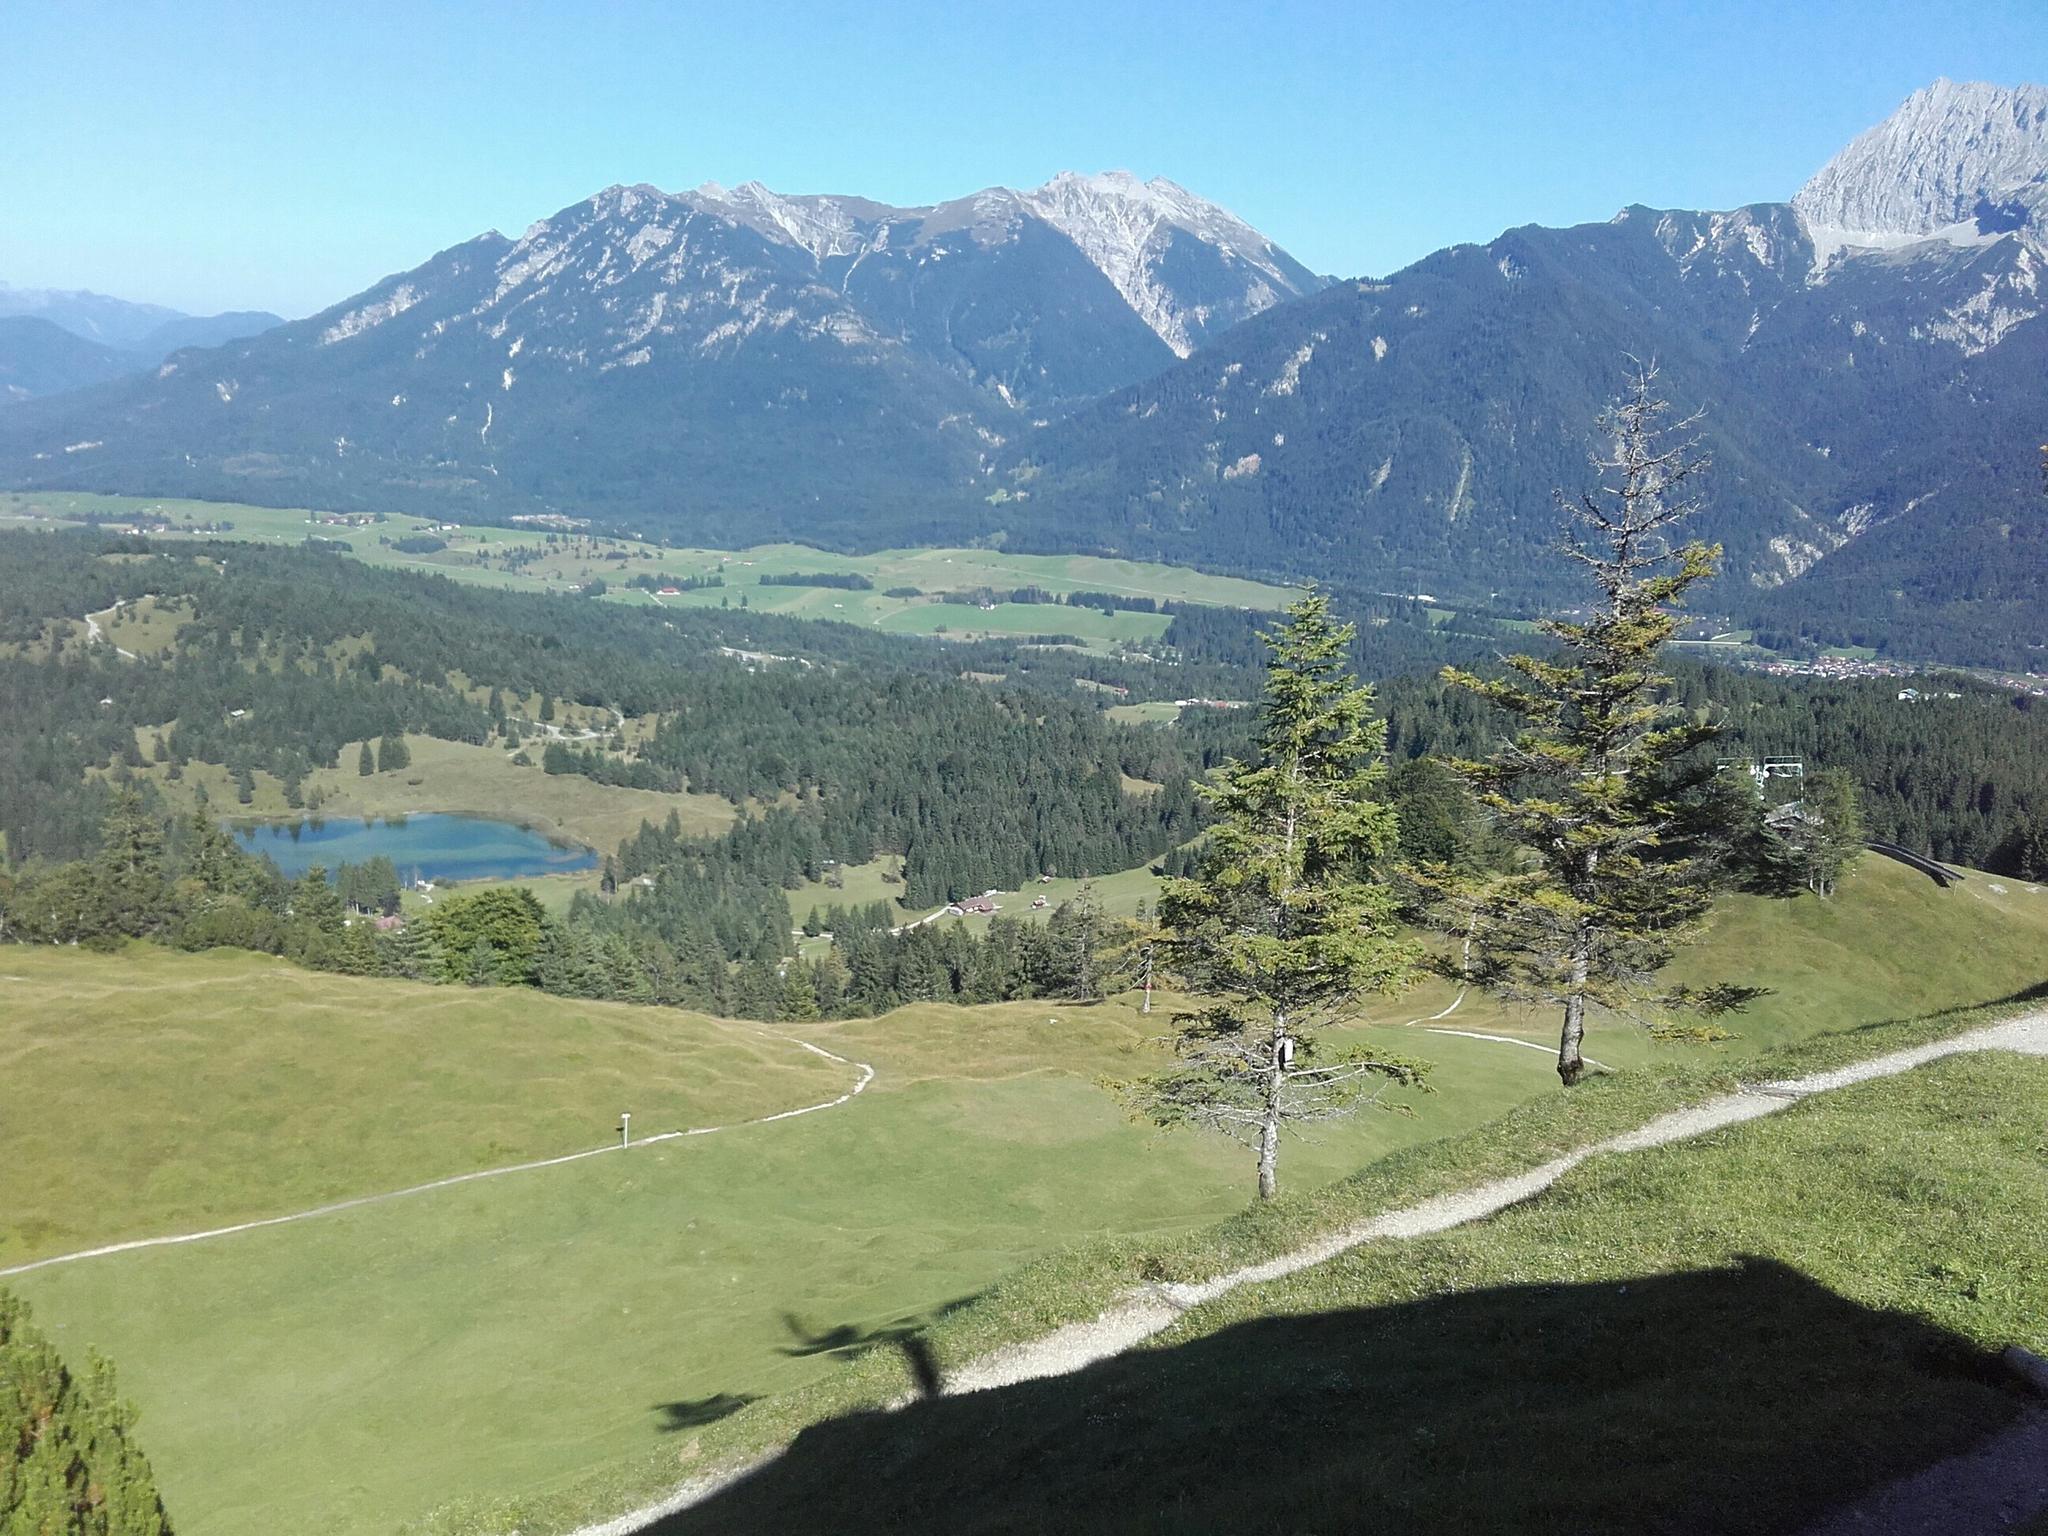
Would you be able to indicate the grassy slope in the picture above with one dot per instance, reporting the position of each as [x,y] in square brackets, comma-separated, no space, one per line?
[984,1141]
[1734,1335]
[155,1092]
[1893,912]
[1891,945]
[347,1372]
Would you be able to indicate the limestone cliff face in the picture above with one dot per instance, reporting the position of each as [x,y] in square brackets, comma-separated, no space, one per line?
[1950,150]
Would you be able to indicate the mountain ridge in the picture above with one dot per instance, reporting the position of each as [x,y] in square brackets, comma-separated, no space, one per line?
[1118,223]
[708,352]
[1870,396]
[1108,364]
[127,324]
[1935,164]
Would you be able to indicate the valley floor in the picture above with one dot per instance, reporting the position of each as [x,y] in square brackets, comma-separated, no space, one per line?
[522,559]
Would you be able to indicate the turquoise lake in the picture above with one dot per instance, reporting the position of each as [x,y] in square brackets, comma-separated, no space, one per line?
[433,846]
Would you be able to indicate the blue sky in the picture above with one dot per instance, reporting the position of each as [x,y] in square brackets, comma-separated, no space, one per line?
[277,155]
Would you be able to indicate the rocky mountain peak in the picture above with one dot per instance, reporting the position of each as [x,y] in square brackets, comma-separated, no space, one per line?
[1186,267]
[1946,158]
[1128,228]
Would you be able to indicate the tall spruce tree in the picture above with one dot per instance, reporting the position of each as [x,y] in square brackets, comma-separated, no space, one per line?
[1588,786]
[130,869]
[1824,830]
[69,1464]
[1076,936]
[1285,929]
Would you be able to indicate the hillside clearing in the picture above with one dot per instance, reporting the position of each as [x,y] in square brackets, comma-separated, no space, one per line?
[461,779]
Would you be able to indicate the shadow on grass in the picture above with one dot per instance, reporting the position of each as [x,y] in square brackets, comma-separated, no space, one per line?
[906,1336]
[696,1412]
[1742,1399]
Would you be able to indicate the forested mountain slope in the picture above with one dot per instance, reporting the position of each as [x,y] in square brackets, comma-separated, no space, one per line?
[40,357]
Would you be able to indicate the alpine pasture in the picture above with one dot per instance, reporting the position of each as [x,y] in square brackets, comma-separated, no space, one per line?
[544,1322]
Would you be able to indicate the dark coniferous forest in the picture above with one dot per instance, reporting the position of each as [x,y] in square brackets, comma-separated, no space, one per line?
[843,749]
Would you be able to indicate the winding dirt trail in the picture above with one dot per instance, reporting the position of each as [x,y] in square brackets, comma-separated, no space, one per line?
[1428,1025]
[866,1076]
[1153,1309]
[94,635]
[1147,1312]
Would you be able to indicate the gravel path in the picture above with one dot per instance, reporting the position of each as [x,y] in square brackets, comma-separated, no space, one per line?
[867,1075]
[1081,1344]
[1527,1045]
[94,635]
[1150,1311]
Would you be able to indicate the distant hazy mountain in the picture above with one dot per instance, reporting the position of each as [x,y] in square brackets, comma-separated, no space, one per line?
[52,340]
[1871,359]
[40,357]
[203,331]
[821,365]
[111,322]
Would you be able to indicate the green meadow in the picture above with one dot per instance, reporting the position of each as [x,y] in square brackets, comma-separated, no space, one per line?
[541,1322]
[503,1337]
[225,1086]
[1120,893]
